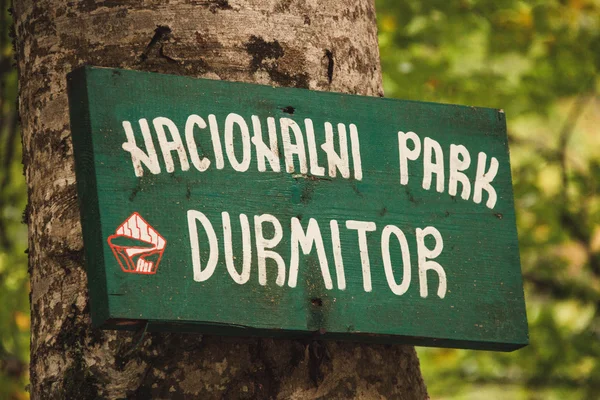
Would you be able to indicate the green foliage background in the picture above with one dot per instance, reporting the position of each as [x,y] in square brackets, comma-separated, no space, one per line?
[14,281]
[537,60]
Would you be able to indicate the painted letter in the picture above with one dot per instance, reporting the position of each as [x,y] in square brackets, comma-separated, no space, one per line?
[407,154]
[262,244]
[315,168]
[290,149]
[216,141]
[425,257]
[306,241]
[193,120]
[262,151]
[356,162]
[199,275]
[335,161]
[431,167]
[483,180]
[229,148]
[387,260]
[138,157]
[362,228]
[337,254]
[456,165]
[167,146]
[247,248]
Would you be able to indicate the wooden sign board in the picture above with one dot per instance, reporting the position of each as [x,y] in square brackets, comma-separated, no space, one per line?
[242,209]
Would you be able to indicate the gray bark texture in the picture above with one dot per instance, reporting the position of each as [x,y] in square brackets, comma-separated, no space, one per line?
[328,45]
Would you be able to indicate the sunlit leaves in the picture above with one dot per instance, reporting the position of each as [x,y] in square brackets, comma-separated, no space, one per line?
[14,281]
[539,61]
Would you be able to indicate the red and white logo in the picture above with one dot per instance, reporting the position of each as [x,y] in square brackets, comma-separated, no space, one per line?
[137,246]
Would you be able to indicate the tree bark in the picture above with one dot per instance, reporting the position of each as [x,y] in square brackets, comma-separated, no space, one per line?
[328,45]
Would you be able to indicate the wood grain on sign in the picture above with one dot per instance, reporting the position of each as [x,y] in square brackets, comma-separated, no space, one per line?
[232,208]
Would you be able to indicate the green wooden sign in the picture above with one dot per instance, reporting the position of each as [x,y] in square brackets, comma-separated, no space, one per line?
[242,209]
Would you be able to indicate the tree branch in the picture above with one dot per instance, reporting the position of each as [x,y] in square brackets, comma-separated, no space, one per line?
[7,160]
[565,135]
[568,219]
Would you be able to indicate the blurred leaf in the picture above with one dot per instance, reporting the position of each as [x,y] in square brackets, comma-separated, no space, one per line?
[539,61]
[14,281]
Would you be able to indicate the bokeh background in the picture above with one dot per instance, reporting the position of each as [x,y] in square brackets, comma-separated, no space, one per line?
[537,60]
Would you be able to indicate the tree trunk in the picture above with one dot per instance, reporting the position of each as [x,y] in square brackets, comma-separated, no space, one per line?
[326,45]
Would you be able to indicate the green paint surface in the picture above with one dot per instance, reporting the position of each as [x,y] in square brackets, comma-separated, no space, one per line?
[482,306]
